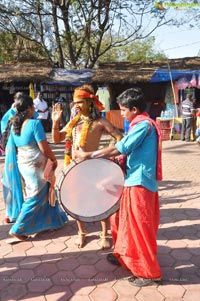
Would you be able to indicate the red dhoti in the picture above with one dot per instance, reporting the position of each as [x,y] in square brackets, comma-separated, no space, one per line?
[134,228]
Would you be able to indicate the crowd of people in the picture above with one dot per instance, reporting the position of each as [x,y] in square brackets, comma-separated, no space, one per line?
[29,209]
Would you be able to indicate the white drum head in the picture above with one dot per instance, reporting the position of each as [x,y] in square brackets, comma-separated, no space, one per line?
[90,190]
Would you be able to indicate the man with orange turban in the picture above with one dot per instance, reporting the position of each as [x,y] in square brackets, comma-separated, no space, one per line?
[84,132]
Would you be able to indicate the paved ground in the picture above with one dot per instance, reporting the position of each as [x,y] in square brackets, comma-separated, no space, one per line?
[50,267]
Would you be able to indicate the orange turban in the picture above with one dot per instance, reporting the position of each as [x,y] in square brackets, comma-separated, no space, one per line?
[82,94]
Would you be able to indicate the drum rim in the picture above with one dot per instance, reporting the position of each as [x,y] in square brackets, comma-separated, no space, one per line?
[94,218]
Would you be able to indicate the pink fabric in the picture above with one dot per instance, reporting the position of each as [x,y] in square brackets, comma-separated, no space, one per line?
[198,82]
[192,82]
[182,83]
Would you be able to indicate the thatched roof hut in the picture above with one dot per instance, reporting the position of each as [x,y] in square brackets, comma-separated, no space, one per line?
[25,72]
[129,73]
[116,72]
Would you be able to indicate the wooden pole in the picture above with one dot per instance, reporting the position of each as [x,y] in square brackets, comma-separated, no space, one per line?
[175,106]
[170,74]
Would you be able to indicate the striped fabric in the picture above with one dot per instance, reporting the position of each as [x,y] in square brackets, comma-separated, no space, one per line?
[187,108]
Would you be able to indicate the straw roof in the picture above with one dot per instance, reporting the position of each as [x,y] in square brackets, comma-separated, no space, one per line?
[116,72]
[25,71]
[129,73]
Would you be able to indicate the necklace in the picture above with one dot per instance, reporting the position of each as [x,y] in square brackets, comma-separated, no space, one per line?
[69,139]
[83,118]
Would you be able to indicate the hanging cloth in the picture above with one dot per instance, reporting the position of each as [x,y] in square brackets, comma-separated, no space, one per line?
[193,82]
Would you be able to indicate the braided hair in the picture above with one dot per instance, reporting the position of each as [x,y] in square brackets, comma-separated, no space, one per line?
[22,104]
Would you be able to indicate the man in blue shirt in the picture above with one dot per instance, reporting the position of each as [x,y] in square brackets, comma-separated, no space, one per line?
[134,226]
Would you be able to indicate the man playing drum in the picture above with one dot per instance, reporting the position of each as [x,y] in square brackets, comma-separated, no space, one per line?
[135,225]
[84,132]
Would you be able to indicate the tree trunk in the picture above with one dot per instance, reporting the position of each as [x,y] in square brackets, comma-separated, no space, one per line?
[57,37]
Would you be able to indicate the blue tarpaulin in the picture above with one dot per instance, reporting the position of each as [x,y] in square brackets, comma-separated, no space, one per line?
[163,75]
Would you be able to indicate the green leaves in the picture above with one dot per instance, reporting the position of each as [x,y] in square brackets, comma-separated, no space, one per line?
[79,33]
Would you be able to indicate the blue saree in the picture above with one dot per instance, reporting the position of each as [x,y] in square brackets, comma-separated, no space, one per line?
[11,178]
[13,198]
[36,213]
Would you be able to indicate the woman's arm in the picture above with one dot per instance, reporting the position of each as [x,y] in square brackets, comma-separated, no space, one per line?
[47,152]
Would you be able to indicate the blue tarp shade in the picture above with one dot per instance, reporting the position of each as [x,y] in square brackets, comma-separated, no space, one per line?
[71,77]
[163,75]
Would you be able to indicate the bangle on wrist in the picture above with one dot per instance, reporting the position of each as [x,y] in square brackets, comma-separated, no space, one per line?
[56,128]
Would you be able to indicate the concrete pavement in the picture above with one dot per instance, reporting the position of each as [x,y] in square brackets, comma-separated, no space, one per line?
[51,267]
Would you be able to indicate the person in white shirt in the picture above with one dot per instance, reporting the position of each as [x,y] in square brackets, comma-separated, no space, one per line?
[41,107]
[104,97]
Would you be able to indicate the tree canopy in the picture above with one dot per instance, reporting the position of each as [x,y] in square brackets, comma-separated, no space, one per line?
[77,33]
[137,51]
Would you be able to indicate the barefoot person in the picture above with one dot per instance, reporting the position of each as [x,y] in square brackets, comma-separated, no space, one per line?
[84,132]
[134,226]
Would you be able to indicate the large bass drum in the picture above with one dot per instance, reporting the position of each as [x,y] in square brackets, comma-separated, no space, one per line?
[90,190]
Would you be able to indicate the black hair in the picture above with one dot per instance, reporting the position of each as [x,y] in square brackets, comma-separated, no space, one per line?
[131,98]
[22,104]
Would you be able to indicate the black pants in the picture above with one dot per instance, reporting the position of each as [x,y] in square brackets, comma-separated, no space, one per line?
[186,129]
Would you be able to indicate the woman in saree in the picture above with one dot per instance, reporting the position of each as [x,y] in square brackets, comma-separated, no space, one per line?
[13,198]
[32,152]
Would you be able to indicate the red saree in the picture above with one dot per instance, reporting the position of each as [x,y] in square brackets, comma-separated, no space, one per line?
[135,236]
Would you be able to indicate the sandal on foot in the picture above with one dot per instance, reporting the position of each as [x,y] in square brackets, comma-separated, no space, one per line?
[104,241]
[140,282]
[20,237]
[81,239]
[132,278]
[112,259]
[7,220]
[17,238]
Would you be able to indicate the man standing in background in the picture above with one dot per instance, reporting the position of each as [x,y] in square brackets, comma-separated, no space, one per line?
[65,107]
[188,113]
[41,107]
[104,96]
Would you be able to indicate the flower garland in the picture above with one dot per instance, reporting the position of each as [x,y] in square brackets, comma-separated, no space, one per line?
[69,140]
